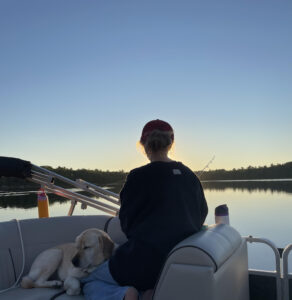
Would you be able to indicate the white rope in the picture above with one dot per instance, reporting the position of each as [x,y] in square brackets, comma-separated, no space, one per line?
[23,260]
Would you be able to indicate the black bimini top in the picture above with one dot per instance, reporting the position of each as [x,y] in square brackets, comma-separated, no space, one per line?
[14,167]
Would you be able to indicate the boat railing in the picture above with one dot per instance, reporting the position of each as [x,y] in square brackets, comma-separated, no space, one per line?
[286,275]
[46,178]
[281,272]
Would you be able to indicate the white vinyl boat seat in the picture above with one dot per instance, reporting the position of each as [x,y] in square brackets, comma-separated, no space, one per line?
[210,265]
[38,235]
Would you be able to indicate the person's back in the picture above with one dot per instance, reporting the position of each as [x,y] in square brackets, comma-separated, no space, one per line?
[169,204]
[161,204]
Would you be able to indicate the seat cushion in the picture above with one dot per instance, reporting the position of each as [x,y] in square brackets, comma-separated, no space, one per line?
[37,235]
[36,294]
[215,244]
[7,275]
[114,230]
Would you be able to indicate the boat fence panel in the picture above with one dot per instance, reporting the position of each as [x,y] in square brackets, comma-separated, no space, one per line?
[277,273]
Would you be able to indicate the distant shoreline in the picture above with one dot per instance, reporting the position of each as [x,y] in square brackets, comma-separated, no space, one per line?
[249,180]
[272,172]
[280,172]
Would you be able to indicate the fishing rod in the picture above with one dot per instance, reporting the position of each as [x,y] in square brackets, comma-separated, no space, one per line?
[207,166]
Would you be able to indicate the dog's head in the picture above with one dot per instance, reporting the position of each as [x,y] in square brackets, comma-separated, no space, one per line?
[94,247]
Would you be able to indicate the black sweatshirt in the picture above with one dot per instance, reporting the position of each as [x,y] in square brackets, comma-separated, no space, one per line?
[162,203]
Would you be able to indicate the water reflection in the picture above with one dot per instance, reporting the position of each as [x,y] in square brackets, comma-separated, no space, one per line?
[284,185]
[27,199]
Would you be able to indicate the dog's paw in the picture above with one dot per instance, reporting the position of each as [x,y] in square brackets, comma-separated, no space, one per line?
[72,286]
[57,283]
[73,292]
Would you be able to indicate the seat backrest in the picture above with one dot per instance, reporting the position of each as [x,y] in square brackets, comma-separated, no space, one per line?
[114,230]
[200,265]
[215,244]
[38,235]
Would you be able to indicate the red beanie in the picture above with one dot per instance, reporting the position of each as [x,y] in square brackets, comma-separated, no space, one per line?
[155,125]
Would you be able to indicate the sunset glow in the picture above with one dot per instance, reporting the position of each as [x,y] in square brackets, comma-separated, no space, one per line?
[79,79]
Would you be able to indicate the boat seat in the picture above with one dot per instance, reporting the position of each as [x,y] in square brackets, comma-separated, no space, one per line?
[38,235]
[114,230]
[209,265]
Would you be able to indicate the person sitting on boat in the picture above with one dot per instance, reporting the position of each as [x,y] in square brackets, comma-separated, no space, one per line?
[162,203]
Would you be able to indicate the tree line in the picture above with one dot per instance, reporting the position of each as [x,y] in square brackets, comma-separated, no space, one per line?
[98,177]
[116,178]
[279,171]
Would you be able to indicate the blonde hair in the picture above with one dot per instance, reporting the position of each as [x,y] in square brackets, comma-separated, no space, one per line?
[158,141]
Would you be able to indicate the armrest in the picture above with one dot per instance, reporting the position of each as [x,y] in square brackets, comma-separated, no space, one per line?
[210,247]
[198,265]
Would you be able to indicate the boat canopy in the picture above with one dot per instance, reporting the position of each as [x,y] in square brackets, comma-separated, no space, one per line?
[14,167]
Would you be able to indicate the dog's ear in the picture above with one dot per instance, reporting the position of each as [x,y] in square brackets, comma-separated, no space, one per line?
[79,242]
[106,245]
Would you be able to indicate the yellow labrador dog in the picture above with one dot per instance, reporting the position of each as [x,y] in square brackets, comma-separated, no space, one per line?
[91,248]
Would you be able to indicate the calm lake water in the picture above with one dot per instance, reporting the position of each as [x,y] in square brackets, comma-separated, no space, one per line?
[257,208]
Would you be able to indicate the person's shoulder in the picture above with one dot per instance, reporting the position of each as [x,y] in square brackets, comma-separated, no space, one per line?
[188,171]
[140,171]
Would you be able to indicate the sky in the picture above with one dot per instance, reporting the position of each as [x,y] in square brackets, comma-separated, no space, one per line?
[80,78]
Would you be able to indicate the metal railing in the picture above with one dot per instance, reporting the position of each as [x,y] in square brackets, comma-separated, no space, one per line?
[46,179]
[286,275]
[276,273]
